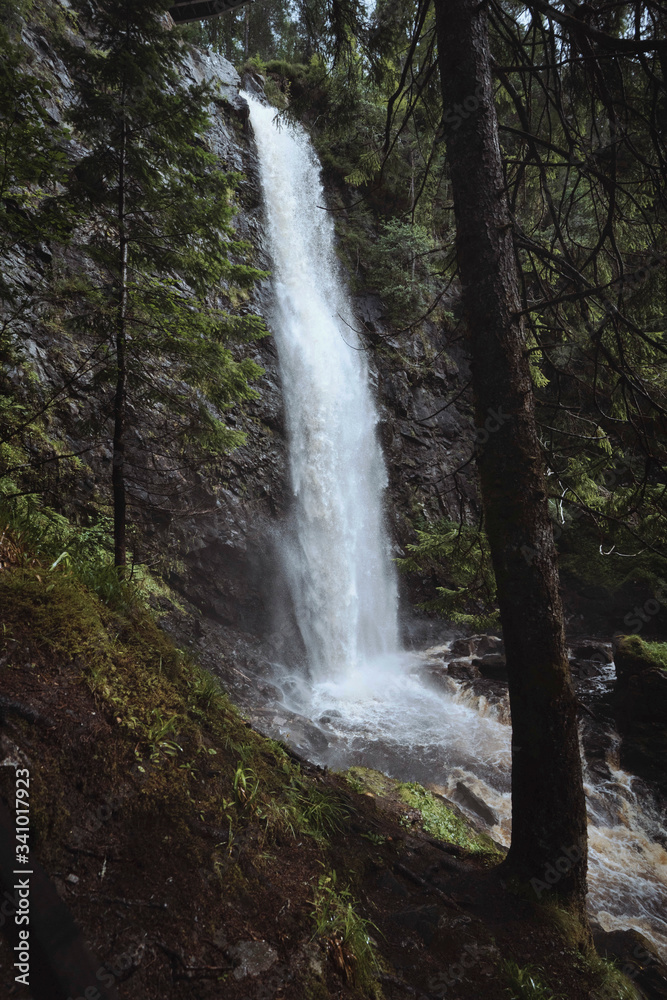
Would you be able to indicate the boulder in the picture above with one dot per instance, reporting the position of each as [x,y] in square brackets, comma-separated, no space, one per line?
[328,717]
[462,670]
[477,645]
[438,677]
[633,657]
[641,681]
[489,644]
[463,647]
[599,652]
[637,958]
[583,669]
[466,797]
[641,707]
[492,665]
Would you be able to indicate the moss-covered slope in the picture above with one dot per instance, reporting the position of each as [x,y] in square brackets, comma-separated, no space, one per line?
[201,859]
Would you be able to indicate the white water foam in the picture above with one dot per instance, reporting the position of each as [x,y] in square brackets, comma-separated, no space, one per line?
[338,562]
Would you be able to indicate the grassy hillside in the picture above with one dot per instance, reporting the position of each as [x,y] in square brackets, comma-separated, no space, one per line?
[197,856]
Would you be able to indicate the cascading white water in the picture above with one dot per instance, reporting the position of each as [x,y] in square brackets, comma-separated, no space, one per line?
[338,562]
[380,709]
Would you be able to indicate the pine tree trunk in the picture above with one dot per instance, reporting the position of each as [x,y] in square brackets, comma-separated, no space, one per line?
[119,406]
[548,806]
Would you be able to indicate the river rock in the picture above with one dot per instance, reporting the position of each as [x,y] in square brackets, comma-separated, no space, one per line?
[637,957]
[329,714]
[641,681]
[439,677]
[462,670]
[492,665]
[466,797]
[463,647]
[477,645]
[599,652]
[640,698]
[632,657]
[489,644]
[583,669]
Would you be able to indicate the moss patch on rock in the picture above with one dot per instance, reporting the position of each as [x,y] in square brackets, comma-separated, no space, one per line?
[633,655]
[420,808]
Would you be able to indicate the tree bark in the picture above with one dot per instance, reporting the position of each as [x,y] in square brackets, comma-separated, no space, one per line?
[548,806]
[120,397]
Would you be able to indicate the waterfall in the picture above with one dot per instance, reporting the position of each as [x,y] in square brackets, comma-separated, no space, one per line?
[337,561]
[375,704]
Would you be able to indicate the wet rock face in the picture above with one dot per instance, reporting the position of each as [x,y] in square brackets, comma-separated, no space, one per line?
[492,665]
[640,701]
[228,561]
[637,958]
[224,560]
[466,797]
[462,670]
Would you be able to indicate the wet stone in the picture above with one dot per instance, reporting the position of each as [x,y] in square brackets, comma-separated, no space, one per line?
[462,670]
[253,957]
[466,797]
[492,665]
[463,647]
[596,651]
[583,669]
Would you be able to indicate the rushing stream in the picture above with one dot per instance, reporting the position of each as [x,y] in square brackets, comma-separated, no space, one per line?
[372,699]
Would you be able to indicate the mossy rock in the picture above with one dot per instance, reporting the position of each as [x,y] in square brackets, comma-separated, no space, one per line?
[416,806]
[633,656]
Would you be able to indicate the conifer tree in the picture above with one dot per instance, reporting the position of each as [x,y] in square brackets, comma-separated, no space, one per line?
[155,214]
[32,161]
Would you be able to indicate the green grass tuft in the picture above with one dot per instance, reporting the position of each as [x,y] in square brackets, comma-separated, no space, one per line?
[347,935]
[527,983]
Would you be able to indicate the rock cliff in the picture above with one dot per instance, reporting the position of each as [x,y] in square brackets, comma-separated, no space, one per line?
[215,541]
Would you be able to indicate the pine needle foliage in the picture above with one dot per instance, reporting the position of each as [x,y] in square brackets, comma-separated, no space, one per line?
[154,212]
[462,550]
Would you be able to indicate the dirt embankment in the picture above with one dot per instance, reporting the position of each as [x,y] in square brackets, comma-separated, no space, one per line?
[199,859]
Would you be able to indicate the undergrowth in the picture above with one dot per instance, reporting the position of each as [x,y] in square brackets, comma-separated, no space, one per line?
[441,822]
[178,723]
[434,816]
[347,935]
[612,983]
[41,535]
[527,983]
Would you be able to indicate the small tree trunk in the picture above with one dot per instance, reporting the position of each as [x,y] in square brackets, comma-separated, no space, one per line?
[119,406]
[548,805]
